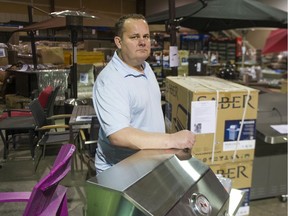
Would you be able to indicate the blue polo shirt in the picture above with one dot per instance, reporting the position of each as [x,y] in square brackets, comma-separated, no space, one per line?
[124,97]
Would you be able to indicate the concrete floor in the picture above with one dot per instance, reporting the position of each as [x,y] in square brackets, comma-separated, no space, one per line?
[17,174]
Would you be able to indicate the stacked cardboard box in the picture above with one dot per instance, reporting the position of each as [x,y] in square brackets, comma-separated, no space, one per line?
[183,62]
[50,55]
[223,115]
[85,57]
[3,55]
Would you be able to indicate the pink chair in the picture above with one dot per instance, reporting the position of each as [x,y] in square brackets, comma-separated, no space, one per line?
[47,196]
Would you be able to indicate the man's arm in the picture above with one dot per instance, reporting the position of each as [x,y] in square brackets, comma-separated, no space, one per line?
[137,139]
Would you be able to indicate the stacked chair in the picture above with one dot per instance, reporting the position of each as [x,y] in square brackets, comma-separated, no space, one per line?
[47,132]
[21,121]
[88,144]
[48,197]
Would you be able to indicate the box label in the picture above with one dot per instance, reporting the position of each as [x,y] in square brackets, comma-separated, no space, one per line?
[203,117]
[241,145]
[233,127]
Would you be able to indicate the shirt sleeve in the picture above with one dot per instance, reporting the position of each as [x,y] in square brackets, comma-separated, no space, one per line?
[111,102]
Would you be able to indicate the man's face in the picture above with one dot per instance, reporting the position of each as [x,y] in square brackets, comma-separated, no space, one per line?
[135,42]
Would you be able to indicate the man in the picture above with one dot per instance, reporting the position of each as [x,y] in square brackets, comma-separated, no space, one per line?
[127,100]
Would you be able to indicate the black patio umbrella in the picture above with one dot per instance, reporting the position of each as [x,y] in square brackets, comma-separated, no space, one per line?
[223,15]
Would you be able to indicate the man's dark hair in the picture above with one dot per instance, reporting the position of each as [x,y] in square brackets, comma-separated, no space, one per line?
[120,23]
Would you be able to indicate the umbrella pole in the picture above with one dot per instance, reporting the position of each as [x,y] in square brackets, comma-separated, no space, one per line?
[74,38]
[31,34]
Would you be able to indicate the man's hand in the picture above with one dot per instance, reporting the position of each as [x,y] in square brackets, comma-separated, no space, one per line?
[183,139]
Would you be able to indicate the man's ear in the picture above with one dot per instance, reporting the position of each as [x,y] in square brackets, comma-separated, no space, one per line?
[117,41]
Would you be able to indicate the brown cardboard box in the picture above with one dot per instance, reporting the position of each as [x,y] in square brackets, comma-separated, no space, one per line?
[3,61]
[183,57]
[239,172]
[50,55]
[12,101]
[84,57]
[67,57]
[216,133]
[183,70]
[3,56]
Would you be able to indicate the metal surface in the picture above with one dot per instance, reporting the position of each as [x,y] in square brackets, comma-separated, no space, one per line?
[157,182]
[269,175]
[267,134]
[272,111]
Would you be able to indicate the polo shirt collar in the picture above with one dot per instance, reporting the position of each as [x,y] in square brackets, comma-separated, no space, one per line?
[123,68]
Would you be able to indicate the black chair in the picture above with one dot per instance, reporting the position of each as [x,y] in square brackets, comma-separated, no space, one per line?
[48,98]
[88,144]
[17,124]
[46,132]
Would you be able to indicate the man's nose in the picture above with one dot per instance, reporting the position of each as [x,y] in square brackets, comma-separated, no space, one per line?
[142,41]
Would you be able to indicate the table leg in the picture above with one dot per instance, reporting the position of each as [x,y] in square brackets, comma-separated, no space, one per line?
[5,143]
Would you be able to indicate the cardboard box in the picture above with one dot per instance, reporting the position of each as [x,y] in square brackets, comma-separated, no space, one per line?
[183,70]
[3,56]
[84,57]
[12,101]
[216,110]
[67,57]
[85,80]
[239,172]
[183,57]
[50,55]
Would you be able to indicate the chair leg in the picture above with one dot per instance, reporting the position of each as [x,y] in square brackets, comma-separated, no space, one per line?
[44,150]
[80,152]
[14,141]
[37,160]
[31,140]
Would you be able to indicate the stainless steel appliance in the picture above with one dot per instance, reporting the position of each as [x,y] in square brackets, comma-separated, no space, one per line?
[269,177]
[157,182]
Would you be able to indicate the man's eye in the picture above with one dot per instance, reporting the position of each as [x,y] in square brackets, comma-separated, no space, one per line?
[135,37]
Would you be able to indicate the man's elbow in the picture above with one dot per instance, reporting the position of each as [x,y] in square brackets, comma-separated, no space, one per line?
[114,140]
[122,138]
[117,138]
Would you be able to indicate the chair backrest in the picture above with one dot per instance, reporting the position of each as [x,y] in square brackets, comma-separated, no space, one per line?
[44,96]
[94,129]
[38,113]
[51,101]
[43,191]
